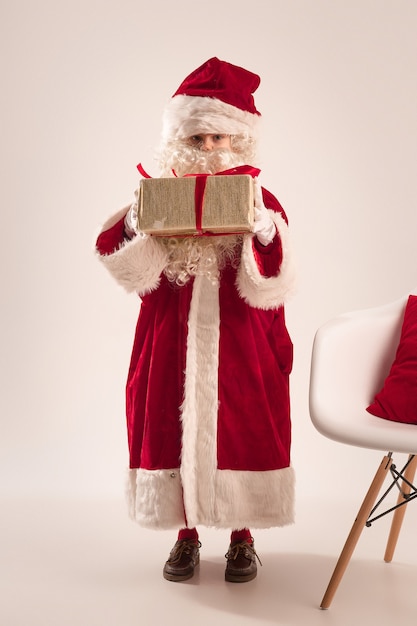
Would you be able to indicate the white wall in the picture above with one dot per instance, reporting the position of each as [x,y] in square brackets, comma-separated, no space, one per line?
[83,87]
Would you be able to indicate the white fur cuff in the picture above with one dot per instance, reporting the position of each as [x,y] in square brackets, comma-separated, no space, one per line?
[267,292]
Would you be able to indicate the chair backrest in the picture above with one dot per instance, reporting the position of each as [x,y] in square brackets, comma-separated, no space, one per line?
[351,357]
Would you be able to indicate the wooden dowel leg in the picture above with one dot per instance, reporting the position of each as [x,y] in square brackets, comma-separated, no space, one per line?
[356,531]
[399,513]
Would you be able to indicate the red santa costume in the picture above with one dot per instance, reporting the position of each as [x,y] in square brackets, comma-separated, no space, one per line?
[207,396]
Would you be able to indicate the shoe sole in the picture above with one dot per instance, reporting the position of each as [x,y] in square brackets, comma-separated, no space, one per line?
[239,578]
[177,578]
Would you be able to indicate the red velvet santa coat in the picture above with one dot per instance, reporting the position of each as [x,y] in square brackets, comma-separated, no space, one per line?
[208,411]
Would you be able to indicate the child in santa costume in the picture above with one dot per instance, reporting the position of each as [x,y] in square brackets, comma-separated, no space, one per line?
[207,395]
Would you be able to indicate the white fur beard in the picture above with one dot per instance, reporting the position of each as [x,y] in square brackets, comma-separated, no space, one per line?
[200,256]
[179,158]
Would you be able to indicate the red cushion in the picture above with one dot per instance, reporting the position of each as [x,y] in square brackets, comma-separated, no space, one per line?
[397,399]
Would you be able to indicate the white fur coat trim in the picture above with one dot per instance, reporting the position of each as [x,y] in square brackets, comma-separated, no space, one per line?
[137,265]
[199,410]
[267,292]
[185,116]
[243,499]
[246,499]
[154,498]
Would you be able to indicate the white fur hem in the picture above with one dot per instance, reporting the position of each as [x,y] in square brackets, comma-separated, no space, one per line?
[154,498]
[254,499]
[267,292]
[240,499]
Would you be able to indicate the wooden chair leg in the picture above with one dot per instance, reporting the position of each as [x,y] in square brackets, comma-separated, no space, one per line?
[399,513]
[356,531]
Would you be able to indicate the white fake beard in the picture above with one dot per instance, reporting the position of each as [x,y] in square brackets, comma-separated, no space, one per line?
[200,256]
[179,158]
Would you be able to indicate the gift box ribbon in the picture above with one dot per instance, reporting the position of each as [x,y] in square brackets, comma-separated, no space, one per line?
[200,187]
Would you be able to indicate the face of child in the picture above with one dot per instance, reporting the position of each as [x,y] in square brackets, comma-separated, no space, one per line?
[209,142]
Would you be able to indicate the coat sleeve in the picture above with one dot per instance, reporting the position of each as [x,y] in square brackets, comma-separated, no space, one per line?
[136,264]
[266,275]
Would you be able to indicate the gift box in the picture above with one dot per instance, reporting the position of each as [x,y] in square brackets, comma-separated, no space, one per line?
[195,205]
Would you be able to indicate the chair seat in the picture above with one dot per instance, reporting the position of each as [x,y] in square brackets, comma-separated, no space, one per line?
[363,430]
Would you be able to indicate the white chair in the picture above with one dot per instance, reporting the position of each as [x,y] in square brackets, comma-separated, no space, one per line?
[351,358]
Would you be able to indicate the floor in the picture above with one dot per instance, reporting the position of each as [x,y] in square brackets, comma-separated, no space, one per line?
[84,563]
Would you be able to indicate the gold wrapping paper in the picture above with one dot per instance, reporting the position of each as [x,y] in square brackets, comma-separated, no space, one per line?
[167,205]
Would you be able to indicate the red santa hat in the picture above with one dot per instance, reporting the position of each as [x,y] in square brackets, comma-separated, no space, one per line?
[215,98]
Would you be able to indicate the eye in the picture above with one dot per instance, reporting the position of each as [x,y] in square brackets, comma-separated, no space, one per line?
[219,137]
[196,139]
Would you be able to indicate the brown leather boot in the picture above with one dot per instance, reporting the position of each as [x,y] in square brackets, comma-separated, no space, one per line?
[241,562]
[183,559]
